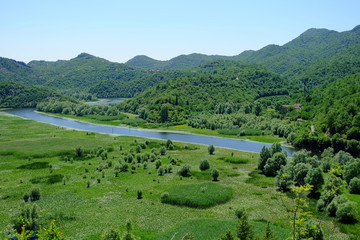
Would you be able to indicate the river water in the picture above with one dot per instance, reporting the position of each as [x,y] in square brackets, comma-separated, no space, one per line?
[243,145]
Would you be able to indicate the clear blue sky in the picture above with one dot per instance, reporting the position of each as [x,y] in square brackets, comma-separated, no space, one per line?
[118,30]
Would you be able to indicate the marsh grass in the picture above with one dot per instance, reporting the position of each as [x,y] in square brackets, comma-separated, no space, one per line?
[198,195]
[28,148]
[235,160]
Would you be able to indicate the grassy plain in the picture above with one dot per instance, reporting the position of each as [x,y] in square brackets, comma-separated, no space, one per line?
[34,154]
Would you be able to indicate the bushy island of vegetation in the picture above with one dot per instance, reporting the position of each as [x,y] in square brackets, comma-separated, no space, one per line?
[63,184]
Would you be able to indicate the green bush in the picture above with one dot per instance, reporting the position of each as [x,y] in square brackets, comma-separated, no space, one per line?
[204,165]
[35,194]
[211,149]
[346,212]
[185,170]
[354,186]
[215,174]
[139,194]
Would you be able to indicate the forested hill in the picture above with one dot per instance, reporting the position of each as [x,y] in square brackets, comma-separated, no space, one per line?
[11,70]
[14,94]
[80,73]
[213,83]
[311,46]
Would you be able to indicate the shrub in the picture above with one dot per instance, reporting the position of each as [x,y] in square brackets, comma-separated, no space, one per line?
[315,178]
[354,186]
[26,197]
[240,212]
[158,164]
[211,149]
[161,171]
[162,151]
[215,174]
[35,194]
[79,152]
[346,212]
[264,156]
[204,165]
[139,194]
[185,170]
[334,205]
[111,234]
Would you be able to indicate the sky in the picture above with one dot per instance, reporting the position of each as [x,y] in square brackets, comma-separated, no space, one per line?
[118,30]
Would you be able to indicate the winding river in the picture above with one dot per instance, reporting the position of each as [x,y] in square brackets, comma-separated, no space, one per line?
[243,145]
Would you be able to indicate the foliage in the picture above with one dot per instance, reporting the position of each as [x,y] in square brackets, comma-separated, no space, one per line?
[197,195]
[244,229]
[215,174]
[354,186]
[29,216]
[184,171]
[274,164]
[211,149]
[204,165]
[346,212]
[51,233]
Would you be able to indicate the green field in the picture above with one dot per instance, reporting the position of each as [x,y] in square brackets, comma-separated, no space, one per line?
[86,197]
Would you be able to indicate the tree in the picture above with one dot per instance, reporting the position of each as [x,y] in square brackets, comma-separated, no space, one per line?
[52,233]
[79,152]
[35,194]
[211,149]
[244,230]
[204,165]
[315,178]
[227,236]
[28,215]
[346,212]
[184,170]
[164,114]
[215,174]
[269,234]
[274,164]
[264,156]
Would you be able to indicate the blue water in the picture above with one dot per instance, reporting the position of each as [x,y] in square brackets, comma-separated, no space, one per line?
[243,145]
[108,101]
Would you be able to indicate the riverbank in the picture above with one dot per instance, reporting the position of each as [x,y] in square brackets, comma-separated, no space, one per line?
[173,128]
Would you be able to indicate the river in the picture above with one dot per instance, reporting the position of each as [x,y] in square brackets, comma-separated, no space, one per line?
[243,145]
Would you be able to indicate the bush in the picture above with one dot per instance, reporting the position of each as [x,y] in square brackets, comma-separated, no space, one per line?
[354,186]
[274,164]
[111,234]
[35,194]
[79,152]
[158,164]
[211,149]
[184,171]
[346,212]
[215,174]
[139,194]
[204,165]
[162,151]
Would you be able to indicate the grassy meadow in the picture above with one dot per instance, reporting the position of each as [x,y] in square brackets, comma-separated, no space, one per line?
[86,196]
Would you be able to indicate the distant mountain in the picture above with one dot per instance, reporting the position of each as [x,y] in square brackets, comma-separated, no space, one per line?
[310,46]
[179,62]
[11,70]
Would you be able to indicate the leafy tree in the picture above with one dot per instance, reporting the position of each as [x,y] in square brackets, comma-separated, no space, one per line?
[284,180]
[315,178]
[204,165]
[300,171]
[211,149]
[35,194]
[162,151]
[52,233]
[264,156]
[351,170]
[164,114]
[274,164]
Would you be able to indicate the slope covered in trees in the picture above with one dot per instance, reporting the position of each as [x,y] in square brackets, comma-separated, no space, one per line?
[13,94]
